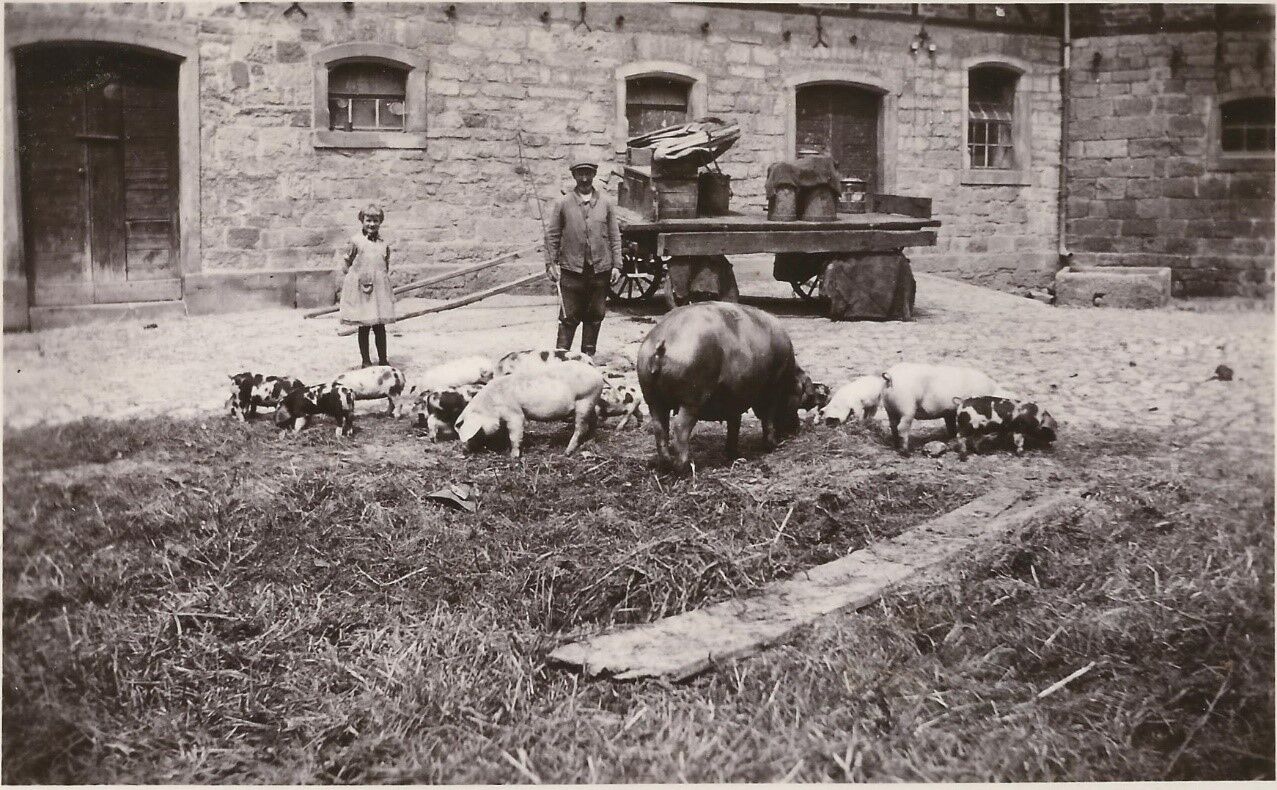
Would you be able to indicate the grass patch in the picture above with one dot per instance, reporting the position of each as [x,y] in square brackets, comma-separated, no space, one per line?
[205,601]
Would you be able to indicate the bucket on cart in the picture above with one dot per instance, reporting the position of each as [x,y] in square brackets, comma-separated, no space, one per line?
[715,194]
[818,204]
[783,205]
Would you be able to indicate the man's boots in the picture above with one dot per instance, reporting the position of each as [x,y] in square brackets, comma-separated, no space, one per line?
[590,336]
[566,333]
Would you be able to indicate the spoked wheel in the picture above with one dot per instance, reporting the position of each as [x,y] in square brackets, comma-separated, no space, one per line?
[639,276]
[808,289]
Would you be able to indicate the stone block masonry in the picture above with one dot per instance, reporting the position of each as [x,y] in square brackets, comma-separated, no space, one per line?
[271,200]
[1149,182]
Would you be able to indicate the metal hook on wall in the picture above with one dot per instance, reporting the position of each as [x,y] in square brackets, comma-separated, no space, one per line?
[820,34]
[582,21]
[296,8]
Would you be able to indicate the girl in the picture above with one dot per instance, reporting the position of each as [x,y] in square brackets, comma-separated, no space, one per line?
[367,300]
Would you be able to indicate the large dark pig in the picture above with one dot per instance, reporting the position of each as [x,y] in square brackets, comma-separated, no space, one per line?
[714,361]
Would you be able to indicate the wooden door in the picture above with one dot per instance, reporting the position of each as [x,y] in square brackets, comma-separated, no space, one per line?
[842,122]
[98,153]
[653,103]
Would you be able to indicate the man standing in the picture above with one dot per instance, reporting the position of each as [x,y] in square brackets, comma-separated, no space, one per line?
[582,247]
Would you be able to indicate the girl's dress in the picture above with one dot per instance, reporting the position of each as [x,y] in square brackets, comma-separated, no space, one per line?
[366,296]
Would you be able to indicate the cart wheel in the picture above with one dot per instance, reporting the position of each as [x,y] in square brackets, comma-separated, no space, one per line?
[807,289]
[639,277]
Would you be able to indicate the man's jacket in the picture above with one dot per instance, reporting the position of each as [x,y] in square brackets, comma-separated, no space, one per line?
[572,231]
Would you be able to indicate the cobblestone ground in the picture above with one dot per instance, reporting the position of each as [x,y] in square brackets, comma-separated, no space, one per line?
[1093,368]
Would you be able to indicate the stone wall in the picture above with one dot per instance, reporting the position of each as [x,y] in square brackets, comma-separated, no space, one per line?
[1148,183]
[271,200]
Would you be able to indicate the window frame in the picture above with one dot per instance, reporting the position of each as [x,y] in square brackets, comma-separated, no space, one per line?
[1020,173]
[697,92]
[686,84]
[416,70]
[1233,160]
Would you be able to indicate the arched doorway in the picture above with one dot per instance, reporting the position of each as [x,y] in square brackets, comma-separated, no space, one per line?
[842,121]
[98,159]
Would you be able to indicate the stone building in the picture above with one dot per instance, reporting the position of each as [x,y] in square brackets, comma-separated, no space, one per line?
[209,156]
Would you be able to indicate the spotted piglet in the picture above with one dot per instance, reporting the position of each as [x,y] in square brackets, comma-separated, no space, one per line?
[438,410]
[250,390]
[518,360]
[380,381]
[988,421]
[621,397]
[332,400]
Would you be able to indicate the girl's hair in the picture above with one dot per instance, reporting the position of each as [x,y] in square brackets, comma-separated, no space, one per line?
[370,210]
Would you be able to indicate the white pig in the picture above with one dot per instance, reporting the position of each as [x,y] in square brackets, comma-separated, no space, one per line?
[919,391]
[856,400]
[379,381]
[448,375]
[569,390]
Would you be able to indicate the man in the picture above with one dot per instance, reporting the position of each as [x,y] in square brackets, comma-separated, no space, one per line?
[582,247]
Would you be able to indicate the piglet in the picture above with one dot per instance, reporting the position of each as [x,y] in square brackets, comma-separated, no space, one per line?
[856,400]
[517,360]
[623,398]
[989,420]
[250,390]
[569,390]
[913,390]
[380,381]
[438,410]
[332,400]
[448,375]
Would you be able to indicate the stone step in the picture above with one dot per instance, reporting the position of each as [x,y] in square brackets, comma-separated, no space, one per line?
[74,315]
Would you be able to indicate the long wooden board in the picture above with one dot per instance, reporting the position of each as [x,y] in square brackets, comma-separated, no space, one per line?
[460,301]
[739,242]
[631,222]
[680,646]
[417,285]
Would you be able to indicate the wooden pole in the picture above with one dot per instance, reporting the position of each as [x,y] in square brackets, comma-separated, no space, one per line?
[438,278]
[458,302]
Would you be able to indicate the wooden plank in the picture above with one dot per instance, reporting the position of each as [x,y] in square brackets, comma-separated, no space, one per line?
[106,212]
[632,222]
[680,646]
[745,242]
[899,204]
[460,301]
[448,275]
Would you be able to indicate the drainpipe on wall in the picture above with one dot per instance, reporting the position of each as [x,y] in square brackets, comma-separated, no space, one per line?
[1062,211]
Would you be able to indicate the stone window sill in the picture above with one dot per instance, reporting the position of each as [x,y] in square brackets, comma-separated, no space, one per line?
[334,139]
[1242,163]
[1015,178]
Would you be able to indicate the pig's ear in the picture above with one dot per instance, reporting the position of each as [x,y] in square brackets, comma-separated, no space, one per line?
[957,401]
[467,429]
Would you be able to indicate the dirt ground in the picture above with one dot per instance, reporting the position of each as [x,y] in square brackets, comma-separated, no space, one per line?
[1096,367]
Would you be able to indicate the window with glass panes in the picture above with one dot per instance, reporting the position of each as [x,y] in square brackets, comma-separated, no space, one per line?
[991,117]
[366,97]
[1246,126]
[653,103]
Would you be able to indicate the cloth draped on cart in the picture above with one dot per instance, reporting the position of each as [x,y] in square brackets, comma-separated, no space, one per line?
[803,173]
[696,277]
[872,287]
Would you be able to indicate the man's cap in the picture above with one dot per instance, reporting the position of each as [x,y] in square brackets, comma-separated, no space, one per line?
[583,163]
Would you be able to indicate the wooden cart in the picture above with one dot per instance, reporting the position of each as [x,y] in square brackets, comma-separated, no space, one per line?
[651,247]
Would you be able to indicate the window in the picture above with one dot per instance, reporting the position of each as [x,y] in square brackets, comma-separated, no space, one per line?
[991,118]
[653,103]
[1246,126]
[366,97]
[369,95]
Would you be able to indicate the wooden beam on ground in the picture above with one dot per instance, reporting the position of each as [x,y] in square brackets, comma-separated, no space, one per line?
[438,278]
[683,645]
[460,301]
[746,242]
